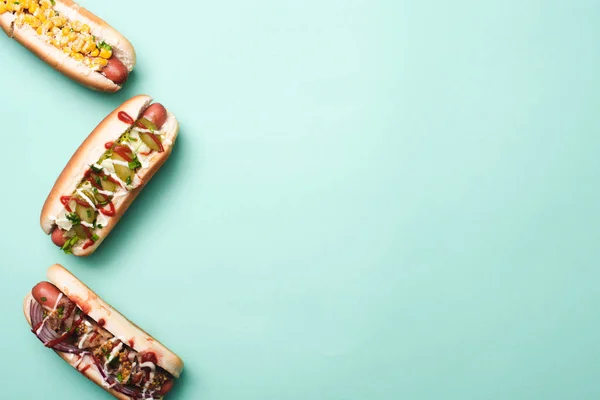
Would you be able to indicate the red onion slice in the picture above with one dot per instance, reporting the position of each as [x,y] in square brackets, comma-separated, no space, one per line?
[47,335]
[134,393]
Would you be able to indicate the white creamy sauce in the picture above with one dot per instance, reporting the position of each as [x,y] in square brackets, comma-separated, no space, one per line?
[82,194]
[113,353]
[86,335]
[152,367]
[48,316]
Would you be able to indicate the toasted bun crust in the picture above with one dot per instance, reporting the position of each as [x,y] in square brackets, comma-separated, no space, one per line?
[28,37]
[89,152]
[114,322]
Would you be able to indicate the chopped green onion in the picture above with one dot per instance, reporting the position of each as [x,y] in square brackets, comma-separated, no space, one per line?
[135,163]
[74,218]
[69,244]
[104,45]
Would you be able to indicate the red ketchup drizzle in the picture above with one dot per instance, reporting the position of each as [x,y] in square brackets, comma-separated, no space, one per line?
[131,343]
[108,145]
[158,142]
[124,117]
[149,357]
[111,210]
[82,370]
[87,244]
[124,152]
[65,201]
[146,153]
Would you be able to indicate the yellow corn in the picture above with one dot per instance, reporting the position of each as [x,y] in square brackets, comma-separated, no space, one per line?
[46,26]
[77,56]
[2,8]
[32,21]
[76,25]
[72,37]
[77,45]
[88,47]
[39,14]
[49,13]
[104,53]
[59,21]
[99,62]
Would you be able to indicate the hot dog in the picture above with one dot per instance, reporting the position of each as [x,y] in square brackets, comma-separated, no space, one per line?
[106,173]
[71,39]
[97,340]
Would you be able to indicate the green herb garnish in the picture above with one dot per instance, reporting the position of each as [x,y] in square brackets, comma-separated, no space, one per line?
[74,218]
[95,237]
[53,2]
[135,163]
[44,299]
[104,45]
[69,244]
[95,169]
[128,180]
[120,377]
[61,311]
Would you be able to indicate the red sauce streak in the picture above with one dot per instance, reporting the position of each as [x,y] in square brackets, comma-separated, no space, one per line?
[149,357]
[108,145]
[124,152]
[111,210]
[66,199]
[131,342]
[82,370]
[146,153]
[101,322]
[87,244]
[65,202]
[157,141]
[87,231]
[91,175]
[124,117]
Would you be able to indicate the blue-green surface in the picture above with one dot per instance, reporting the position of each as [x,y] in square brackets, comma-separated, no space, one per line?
[367,199]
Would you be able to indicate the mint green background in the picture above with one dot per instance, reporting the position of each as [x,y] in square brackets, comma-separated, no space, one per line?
[367,200]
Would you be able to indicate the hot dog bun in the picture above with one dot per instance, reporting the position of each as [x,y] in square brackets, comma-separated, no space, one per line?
[90,151]
[53,56]
[114,322]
